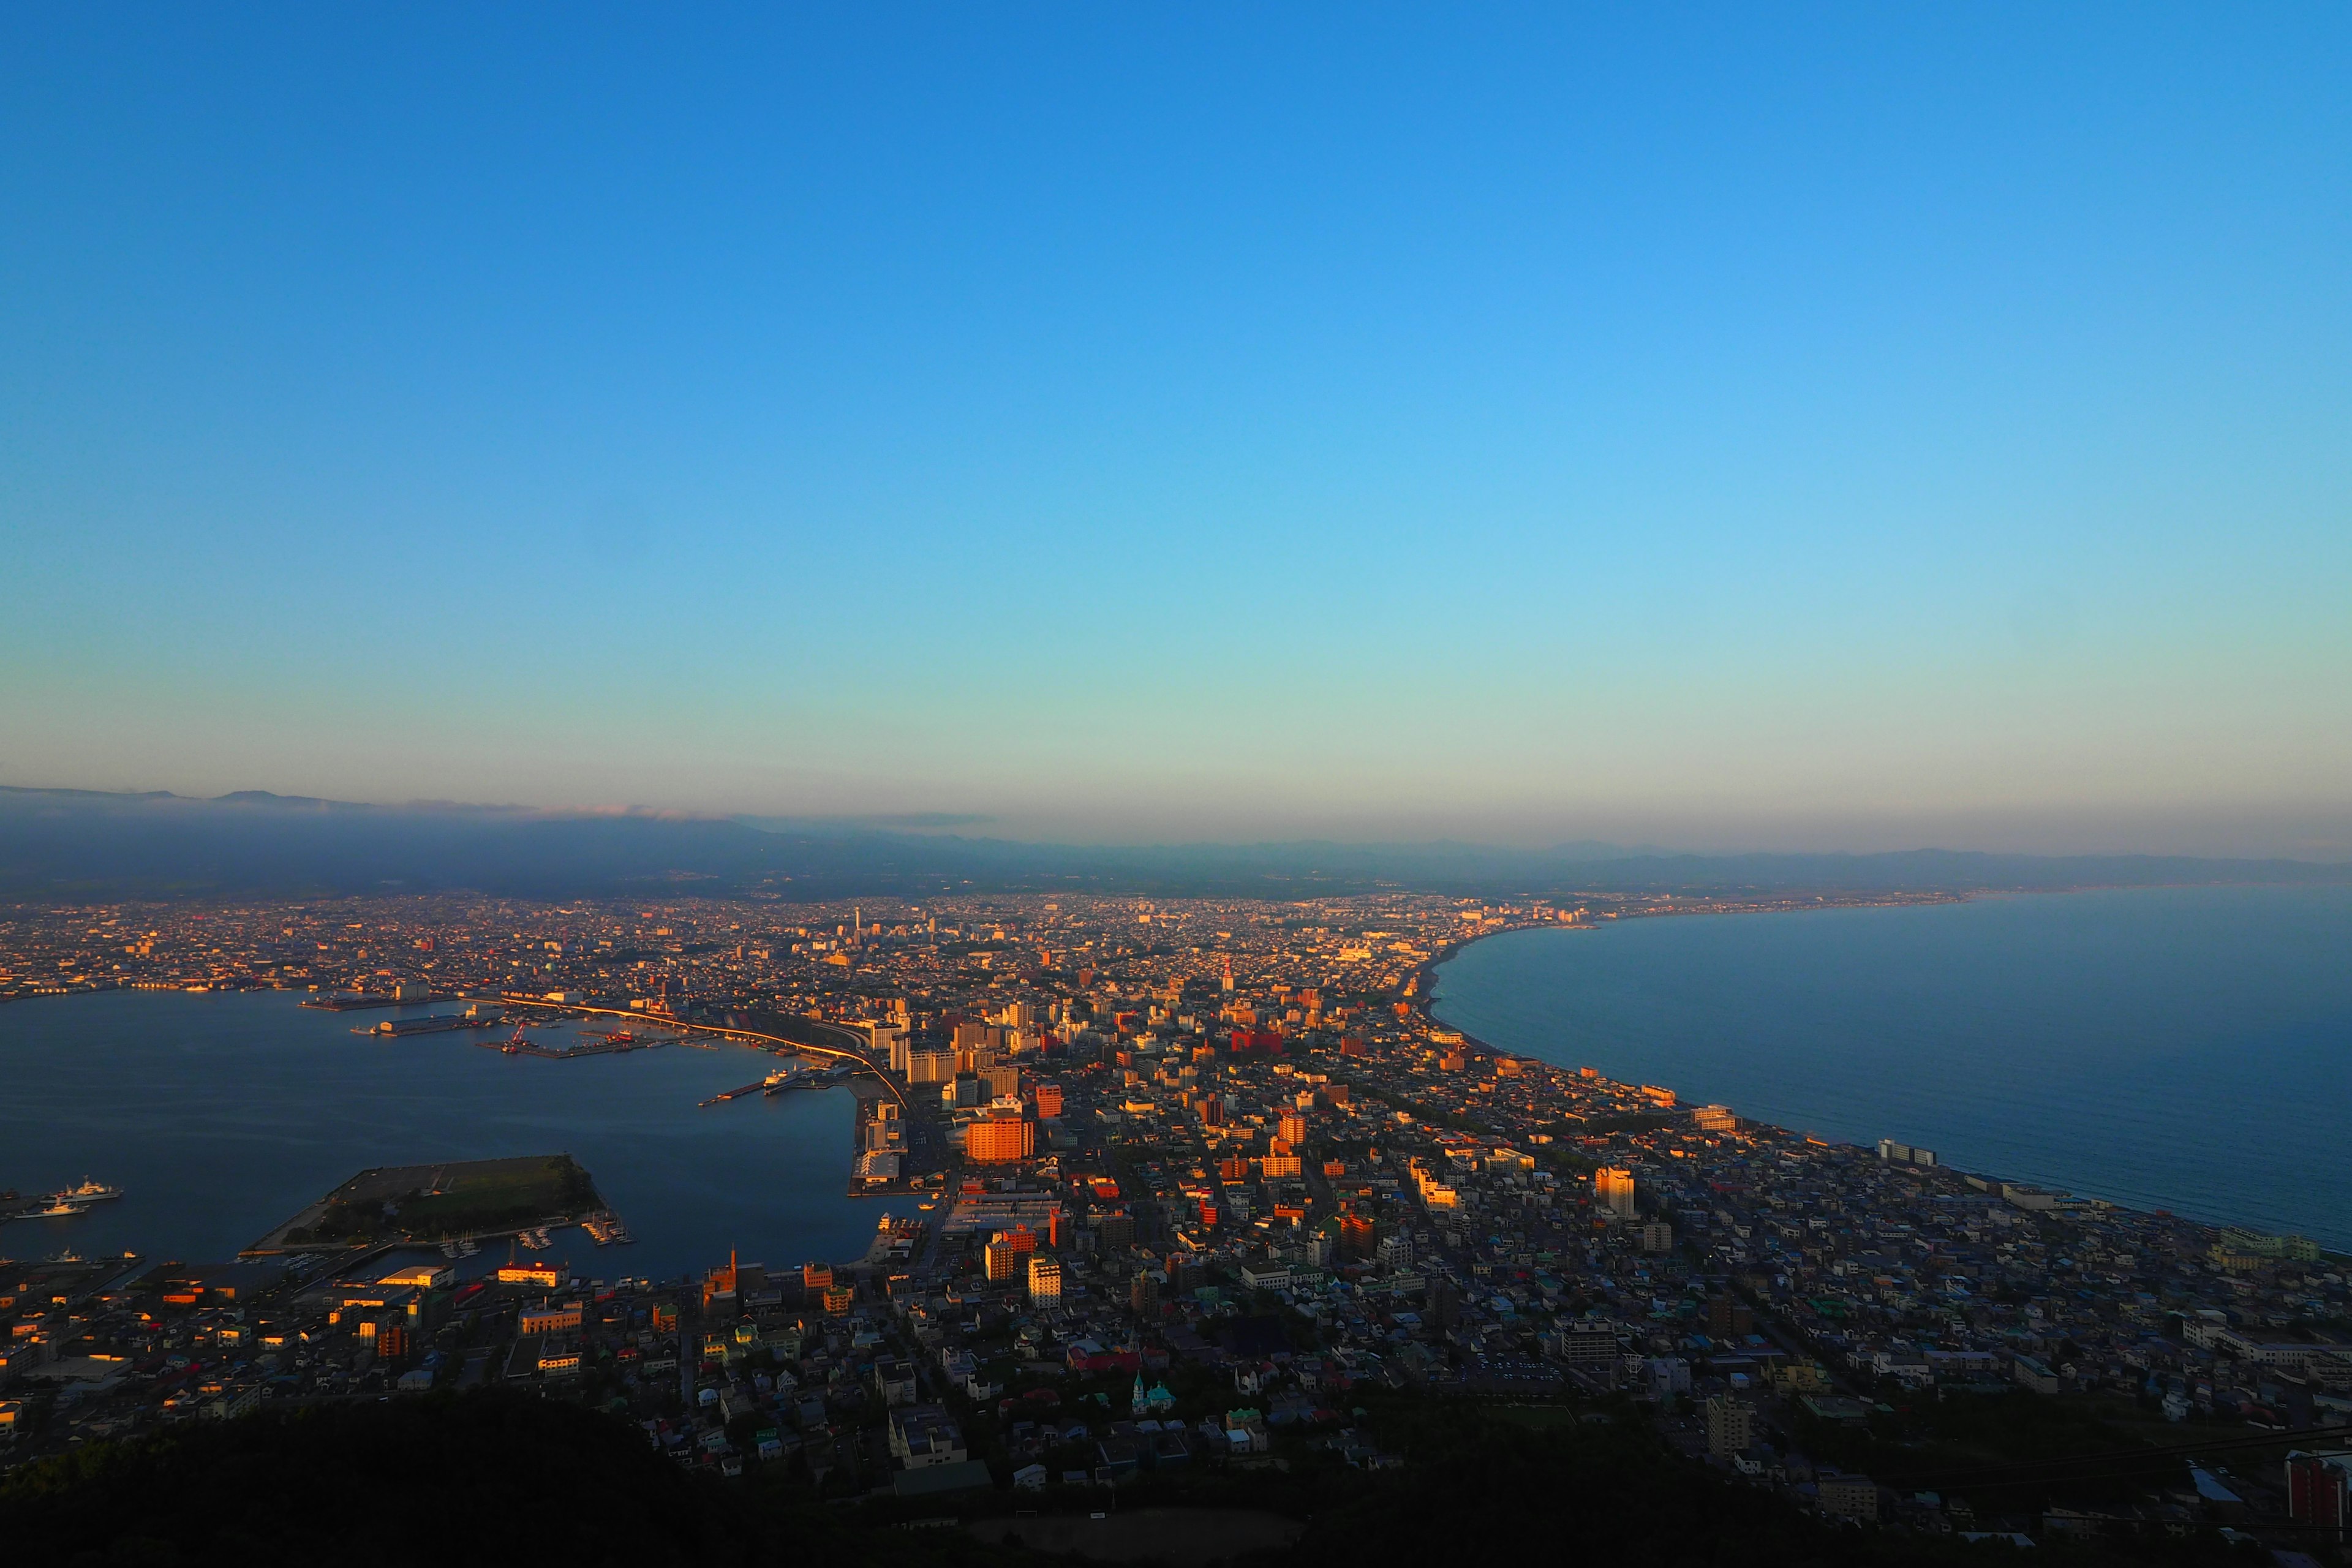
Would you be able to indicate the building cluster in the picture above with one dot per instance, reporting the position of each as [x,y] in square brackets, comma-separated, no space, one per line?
[1169,1179]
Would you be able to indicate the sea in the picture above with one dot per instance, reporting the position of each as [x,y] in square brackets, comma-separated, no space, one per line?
[221,1114]
[2179,1049]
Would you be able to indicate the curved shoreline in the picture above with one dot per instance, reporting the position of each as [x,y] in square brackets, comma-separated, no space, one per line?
[2031,1149]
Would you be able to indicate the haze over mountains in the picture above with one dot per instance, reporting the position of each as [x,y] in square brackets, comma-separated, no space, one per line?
[73,844]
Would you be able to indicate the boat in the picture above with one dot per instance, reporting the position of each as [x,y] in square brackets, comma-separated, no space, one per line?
[467,1249]
[90,1192]
[57,1210]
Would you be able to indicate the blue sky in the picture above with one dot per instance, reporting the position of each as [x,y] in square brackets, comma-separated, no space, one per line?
[1720,427]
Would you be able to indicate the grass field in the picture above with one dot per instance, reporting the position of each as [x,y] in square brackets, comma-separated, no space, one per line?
[433,1203]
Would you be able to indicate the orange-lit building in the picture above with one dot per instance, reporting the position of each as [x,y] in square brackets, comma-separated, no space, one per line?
[1006,1252]
[1000,1140]
[1612,1188]
[549,1318]
[550,1275]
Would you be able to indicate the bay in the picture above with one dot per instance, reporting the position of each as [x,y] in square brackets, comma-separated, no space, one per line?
[2186,1048]
[222,1114]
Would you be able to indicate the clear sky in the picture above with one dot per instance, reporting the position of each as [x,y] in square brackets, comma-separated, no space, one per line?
[1723,426]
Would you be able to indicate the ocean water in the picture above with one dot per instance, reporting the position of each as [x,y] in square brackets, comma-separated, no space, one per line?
[2181,1049]
[223,1114]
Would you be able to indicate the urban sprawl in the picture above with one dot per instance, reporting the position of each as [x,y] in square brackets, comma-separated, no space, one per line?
[1180,1184]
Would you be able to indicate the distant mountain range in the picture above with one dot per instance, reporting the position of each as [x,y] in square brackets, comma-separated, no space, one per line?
[85,844]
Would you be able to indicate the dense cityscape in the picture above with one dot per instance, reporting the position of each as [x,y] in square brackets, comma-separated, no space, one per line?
[1167,1190]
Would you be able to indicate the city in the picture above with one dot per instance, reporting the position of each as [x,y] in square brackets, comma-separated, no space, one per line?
[1178,1188]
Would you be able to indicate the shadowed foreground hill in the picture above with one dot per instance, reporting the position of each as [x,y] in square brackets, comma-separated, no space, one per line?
[499,1477]
[491,1477]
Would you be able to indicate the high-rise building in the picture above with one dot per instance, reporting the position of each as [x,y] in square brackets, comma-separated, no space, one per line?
[1143,1294]
[1044,1280]
[1049,1098]
[1731,1426]
[1716,1119]
[1729,1318]
[2319,1493]
[1292,1129]
[997,1139]
[1612,1188]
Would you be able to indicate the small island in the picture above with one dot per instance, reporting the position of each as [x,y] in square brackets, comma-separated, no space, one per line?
[432,1204]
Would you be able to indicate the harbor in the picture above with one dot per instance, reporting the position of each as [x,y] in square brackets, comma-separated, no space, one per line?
[128,1086]
[63,1204]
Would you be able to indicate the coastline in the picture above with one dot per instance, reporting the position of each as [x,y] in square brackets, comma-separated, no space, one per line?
[1420,988]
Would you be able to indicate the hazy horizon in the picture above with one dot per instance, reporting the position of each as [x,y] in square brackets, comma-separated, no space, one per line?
[1870,839]
[1846,430]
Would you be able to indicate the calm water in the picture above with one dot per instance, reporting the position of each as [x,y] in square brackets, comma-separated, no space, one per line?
[2181,1049]
[223,1114]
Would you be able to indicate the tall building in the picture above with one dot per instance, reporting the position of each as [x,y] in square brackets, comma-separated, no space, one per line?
[1143,1294]
[1000,1140]
[1049,1098]
[2319,1493]
[1716,1119]
[1044,1280]
[1612,1188]
[1731,1426]
[1292,1129]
